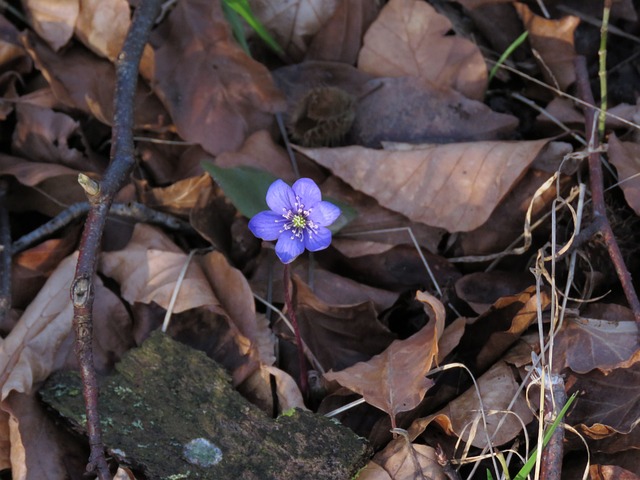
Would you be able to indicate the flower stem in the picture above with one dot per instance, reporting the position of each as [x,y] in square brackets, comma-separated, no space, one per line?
[296,330]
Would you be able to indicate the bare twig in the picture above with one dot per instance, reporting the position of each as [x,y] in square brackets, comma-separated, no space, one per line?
[133,210]
[5,254]
[555,398]
[101,196]
[597,188]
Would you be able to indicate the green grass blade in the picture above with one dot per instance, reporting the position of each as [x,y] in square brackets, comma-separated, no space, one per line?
[526,469]
[242,8]
[516,43]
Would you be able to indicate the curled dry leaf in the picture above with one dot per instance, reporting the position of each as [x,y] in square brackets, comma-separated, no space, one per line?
[553,41]
[481,289]
[53,21]
[410,38]
[216,93]
[454,186]
[394,381]
[293,22]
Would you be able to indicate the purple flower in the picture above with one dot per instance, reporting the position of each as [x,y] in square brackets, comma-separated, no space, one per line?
[298,219]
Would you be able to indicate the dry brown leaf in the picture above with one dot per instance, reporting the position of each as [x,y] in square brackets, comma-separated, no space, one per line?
[42,341]
[334,333]
[603,337]
[102,26]
[236,298]
[402,460]
[293,22]
[42,135]
[5,441]
[408,109]
[215,93]
[394,381]
[340,38]
[53,21]
[410,38]
[455,186]
[497,389]
[81,80]
[179,198]
[553,40]
[487,337]
[39,447]
[482,289]
[625,156]
[609,402]
[261,152]
[148,269]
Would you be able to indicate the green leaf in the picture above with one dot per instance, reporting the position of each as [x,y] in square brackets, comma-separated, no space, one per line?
[507,53]
[243,9]
[246,188]
[236,26]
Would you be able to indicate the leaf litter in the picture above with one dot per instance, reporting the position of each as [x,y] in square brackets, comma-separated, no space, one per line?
[395,119]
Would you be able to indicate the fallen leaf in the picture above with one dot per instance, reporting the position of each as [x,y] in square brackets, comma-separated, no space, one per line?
[53,21]
[102,26]
[39,447]
[80,79]
[43,135]
[293,22]
[402,460]
[461,417]
[481,289]
[42,341]
[149,268]
[608,403]
[487,337]
[611,472]
[178,198]
[406,109]
[553,41]
[410,38]
[215,93]
[340,38]
[334,332]
[5,441]
[625,156]
[394,381]
[603,337]
[455,186]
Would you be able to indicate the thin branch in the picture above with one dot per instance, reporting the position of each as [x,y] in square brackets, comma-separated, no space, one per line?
[101,198]
[597,188]
[133,210]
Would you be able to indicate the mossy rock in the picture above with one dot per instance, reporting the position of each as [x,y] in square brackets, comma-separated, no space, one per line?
[171,412]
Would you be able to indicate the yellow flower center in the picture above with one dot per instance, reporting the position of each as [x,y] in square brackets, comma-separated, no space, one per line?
[299,221]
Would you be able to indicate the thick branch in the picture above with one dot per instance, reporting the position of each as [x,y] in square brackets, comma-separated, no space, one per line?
[115,177]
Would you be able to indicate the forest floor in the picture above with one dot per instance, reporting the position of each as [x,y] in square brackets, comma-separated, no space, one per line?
[468,276]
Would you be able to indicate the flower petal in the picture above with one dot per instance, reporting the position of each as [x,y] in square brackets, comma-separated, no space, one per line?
[280,197]
[324,214]
[319,240]
[267,225]
[308,191]
[289,247]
